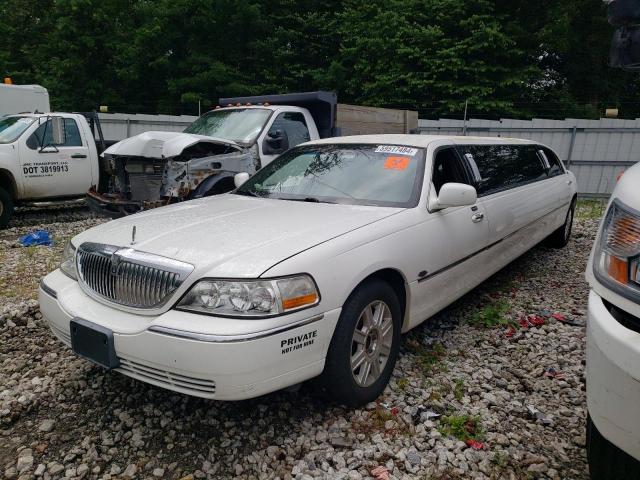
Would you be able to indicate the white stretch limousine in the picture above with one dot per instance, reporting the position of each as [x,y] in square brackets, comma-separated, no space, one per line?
[312,267]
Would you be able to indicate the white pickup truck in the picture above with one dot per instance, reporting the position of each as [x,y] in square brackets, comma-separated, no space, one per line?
[243,134]
[45,157]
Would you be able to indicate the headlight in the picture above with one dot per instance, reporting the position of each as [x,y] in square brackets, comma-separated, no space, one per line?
[68,265]
[251,298]
[617,259]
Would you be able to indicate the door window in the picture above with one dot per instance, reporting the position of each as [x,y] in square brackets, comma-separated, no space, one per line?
[71,135]
[505,166]
[555,167]
[447,168]
[294,125]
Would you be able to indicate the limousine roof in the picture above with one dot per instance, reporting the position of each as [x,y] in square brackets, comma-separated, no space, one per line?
[420,141]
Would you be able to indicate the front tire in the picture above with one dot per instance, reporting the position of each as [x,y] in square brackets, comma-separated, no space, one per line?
[560,238]
[6,208]
[606,461]
[364,347]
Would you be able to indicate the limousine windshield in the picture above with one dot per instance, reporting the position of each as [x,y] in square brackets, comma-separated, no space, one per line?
[381,175]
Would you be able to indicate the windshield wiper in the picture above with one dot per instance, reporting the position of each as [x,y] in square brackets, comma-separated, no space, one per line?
[247,193]
[307,199]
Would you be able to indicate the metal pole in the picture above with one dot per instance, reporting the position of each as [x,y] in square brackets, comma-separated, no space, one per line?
[199,108]
[464,125]
[571,145]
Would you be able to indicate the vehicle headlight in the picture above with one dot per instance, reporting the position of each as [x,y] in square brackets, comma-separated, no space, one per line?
[68,265]
[617,259]
[251,298]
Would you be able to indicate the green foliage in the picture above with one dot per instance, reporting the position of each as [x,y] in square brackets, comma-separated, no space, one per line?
[427,358]
[520,58]
[462,427]
[492,314]
[590,209]
[458,389]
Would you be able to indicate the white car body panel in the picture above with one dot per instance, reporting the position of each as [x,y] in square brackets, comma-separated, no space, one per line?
[613,351]
[438,255]
[69,171]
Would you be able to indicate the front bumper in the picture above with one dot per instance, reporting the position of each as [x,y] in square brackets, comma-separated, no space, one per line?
[114,206]
[221,367]
[612,374]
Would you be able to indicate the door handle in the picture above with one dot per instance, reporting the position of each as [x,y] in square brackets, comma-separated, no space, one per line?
[477,217]
[569,182]
[78,155]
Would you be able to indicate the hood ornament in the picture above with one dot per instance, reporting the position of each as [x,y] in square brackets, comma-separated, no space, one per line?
[133,235]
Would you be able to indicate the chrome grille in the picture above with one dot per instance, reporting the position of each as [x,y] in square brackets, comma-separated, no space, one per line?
[128,277]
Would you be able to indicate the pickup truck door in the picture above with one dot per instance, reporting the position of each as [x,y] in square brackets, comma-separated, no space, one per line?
[298,127]
[454,242]
[55,170]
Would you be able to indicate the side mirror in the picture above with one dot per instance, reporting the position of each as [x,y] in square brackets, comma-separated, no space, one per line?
[454,195]
[240,178]
[57,130]
[276,143]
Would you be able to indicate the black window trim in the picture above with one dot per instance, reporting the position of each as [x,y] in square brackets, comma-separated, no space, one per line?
[511,187]
[466,168]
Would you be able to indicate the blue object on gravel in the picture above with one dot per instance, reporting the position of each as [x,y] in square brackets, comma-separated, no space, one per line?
[39,237]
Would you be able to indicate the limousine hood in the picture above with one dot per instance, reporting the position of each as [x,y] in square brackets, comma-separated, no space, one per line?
[232,235]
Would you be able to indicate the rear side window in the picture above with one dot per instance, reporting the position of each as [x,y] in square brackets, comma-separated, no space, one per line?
[501,167]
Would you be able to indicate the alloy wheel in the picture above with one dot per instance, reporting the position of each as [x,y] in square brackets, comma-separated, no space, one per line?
[371,343]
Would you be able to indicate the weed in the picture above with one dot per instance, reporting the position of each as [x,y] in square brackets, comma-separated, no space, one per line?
[428,358]
[499,459]
[402,383]
[376,422]
[458,390]
[492,314]
[590,209]
[463,427]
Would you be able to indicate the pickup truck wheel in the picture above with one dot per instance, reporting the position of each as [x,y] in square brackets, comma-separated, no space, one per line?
[606,461]
[364,346]
[6,207]
[560,237]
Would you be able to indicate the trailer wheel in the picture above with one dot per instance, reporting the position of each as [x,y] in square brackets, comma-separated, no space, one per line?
[6,207]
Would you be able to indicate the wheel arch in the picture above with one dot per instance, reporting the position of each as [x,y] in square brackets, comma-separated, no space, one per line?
[220,179]
[8,182]
[396,280]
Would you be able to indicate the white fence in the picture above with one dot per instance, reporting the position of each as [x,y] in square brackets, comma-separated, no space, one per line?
[118,126]
[597,151]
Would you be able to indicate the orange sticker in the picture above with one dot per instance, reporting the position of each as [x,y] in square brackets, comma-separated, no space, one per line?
[396,163]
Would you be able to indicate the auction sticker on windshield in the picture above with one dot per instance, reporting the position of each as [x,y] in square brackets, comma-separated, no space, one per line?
[396,163]
[397,149]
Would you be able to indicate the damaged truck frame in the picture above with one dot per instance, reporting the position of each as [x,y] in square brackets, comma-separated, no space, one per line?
[242,135]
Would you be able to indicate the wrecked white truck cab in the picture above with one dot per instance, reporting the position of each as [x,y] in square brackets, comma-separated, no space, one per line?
[244,135]
[158,168]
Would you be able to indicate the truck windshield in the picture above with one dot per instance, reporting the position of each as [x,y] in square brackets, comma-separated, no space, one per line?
[381,175]
[12,127]
[241,125]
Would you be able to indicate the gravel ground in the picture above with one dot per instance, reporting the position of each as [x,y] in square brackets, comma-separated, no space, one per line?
[474,394]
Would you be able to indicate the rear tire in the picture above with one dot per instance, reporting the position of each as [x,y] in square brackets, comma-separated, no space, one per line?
[560,237]
[364,346]
[606,461]
[6,208]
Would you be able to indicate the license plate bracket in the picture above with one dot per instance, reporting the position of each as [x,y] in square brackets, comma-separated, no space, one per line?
[94,343]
